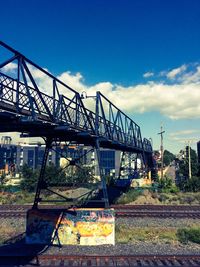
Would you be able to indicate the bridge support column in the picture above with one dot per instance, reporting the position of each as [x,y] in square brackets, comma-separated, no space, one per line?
[121,164]
[102,177]
[41,182]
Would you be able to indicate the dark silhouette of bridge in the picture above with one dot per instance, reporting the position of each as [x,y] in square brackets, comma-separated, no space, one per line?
[26,108]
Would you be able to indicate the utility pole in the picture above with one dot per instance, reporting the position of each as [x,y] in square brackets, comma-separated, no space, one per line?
[189,161]
[161,149]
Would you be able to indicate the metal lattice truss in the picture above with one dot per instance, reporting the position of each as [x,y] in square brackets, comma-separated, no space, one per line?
[63,116]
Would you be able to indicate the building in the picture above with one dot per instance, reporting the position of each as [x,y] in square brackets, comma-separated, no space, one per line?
[13,157]
[32,155]
[8,155]
[110,161]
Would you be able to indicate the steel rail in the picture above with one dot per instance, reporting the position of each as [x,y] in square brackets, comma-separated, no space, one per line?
[116,207]
[20,211]
[105,260]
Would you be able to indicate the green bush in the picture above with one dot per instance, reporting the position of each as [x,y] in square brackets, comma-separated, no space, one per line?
[189,234]
[130,196]
[193,184]
[166,185]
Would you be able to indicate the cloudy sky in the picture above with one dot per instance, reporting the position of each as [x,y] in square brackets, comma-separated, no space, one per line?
[143,55]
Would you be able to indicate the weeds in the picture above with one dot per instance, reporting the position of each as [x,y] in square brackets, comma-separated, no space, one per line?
[126,234]
[128,197]
[185,235]
[169,235]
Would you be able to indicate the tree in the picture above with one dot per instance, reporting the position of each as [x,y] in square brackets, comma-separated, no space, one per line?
[191,185]
[52,174]
[184,165]
[184,183]
[30,177]
[168,157]
[55,175]
[83,175]
[80,175]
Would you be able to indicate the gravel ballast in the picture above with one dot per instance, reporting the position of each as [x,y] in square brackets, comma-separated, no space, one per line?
[137,248]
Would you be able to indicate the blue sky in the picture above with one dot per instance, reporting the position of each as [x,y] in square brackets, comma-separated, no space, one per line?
[143,54]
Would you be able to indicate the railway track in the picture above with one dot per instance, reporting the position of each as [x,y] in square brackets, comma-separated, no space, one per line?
[120,211]
[130,207]
[121,260]
[88,260]
[158,207]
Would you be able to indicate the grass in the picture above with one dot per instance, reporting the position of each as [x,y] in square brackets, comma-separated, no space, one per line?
[23,197]
[171,235]
[148,197]
[142,196]
[9,229]
[129,196]
[16,198]
[180,198]
[134,234]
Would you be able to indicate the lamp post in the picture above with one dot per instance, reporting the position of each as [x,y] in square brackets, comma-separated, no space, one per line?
[84,95]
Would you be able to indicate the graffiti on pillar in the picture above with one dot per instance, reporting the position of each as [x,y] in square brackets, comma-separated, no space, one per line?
[71,227]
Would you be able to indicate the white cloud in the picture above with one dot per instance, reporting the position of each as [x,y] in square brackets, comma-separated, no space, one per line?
[184,136]
[183,140]
[179,100]
[73,80]
[184,132]
[177,71]
[148,74]
[10,67]
[192,76]
[176,101]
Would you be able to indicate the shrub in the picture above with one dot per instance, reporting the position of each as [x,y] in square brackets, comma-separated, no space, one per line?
[128,197]
[189,234]
[166,185]
[190,185]
[163,198]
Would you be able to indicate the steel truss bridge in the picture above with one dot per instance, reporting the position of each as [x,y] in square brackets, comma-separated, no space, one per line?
[36,111]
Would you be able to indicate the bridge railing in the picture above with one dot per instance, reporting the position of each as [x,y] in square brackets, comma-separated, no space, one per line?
[64,110]
[117,124]
[22,95]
